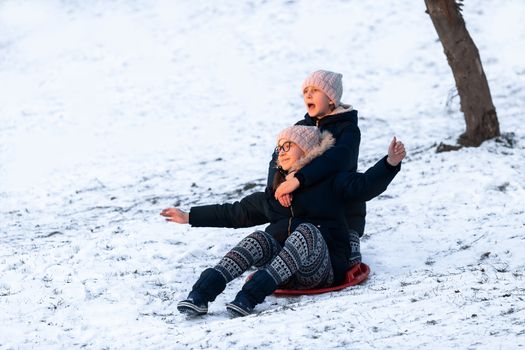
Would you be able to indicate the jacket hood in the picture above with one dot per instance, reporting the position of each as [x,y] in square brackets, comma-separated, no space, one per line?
[342,112]
[342,108]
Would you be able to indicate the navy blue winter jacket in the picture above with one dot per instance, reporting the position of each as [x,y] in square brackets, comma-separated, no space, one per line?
[321,204]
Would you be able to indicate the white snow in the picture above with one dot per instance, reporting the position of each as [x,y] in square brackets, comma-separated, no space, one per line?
[111,111]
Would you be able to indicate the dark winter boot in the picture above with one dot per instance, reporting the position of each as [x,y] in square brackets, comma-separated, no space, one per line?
[208,286]
[253,292]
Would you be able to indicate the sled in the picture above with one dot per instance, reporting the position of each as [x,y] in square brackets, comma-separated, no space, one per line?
[354,276]
[357,274]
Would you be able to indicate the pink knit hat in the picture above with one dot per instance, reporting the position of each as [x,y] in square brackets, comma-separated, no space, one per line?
[306,137]
[328,82]
[309,139]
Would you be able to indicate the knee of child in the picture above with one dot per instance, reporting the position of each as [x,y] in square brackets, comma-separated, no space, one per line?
[308,229]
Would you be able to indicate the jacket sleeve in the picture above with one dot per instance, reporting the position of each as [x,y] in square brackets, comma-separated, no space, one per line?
[365,186]
[247,212]
[341,157]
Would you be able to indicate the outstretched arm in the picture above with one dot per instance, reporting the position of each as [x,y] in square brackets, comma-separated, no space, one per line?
[359,186]
[247,212]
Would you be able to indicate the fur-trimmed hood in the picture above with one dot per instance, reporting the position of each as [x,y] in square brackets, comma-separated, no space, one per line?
[342,108]
[327,141]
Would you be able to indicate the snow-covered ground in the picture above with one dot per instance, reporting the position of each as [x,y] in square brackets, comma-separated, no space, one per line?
[111,111]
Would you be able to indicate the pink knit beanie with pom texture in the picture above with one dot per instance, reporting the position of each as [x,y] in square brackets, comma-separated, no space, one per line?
[306,137]
[328,82]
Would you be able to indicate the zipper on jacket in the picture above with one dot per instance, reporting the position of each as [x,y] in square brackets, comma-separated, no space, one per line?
[290,221]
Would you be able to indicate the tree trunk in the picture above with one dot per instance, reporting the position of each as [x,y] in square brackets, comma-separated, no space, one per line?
[471,82]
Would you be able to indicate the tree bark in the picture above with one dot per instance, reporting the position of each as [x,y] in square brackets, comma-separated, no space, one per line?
[464,60]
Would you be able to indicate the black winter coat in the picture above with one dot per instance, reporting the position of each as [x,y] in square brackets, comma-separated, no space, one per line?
[342,157]
[321,204]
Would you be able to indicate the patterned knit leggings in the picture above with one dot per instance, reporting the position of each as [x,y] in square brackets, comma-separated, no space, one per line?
[303,262]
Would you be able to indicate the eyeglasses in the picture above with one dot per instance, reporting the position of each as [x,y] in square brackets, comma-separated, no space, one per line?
[285,147]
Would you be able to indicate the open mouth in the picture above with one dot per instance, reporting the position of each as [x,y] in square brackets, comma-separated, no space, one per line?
[310,105]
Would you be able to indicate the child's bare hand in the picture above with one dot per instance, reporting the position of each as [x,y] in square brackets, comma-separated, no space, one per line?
[176,215]
[285,200]
[396,152]
[287,187]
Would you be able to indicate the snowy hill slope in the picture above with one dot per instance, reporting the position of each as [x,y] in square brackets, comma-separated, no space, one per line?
[111,111]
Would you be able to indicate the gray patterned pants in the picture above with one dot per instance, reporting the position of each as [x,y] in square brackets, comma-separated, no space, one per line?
[303,262]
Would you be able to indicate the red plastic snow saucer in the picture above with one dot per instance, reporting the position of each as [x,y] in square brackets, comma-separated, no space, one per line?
[354,276]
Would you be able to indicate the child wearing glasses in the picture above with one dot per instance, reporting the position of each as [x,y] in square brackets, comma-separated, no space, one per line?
[306,245]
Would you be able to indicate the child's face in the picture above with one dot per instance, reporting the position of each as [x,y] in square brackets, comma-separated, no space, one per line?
[289,153]
[316,101]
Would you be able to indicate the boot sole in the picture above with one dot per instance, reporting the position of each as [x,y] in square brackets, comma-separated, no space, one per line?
[190,309]
[236,311]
